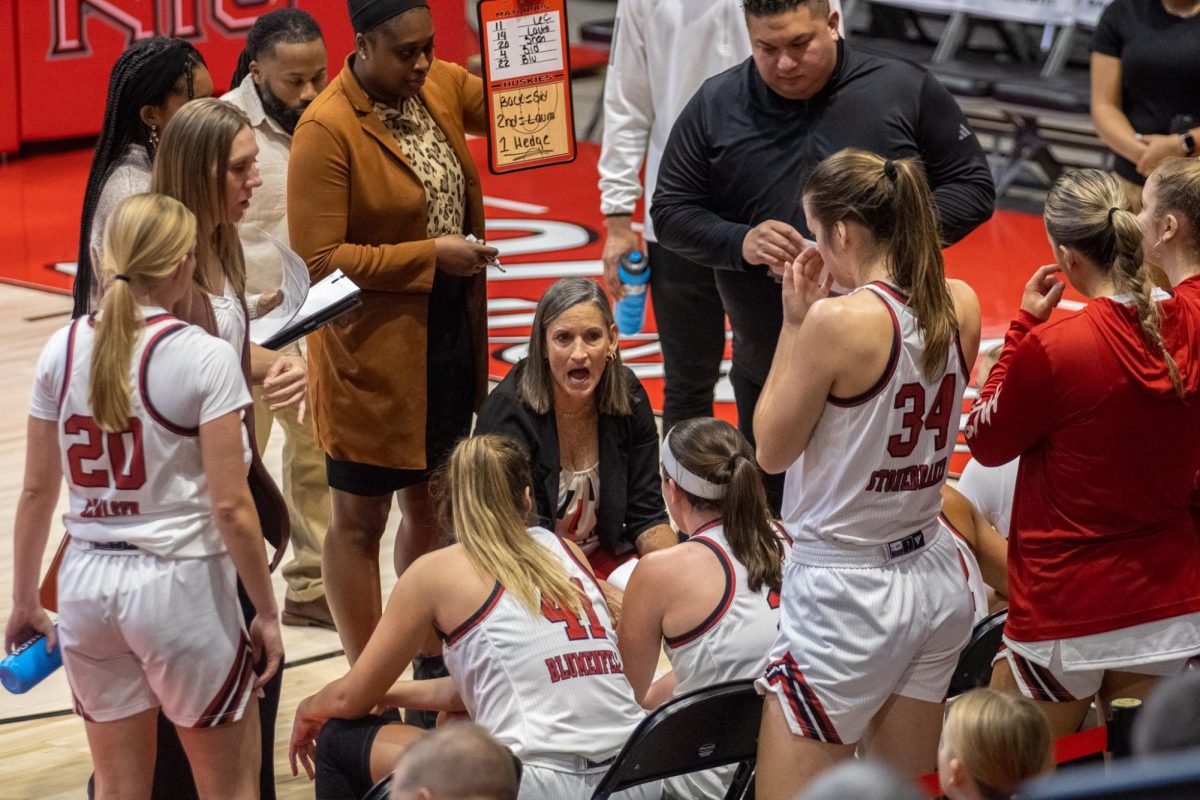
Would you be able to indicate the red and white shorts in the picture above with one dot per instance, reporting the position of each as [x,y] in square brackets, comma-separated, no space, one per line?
[1053,684]
[850,637]
[138,631]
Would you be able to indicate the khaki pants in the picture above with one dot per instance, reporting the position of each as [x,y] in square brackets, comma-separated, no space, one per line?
[307,494]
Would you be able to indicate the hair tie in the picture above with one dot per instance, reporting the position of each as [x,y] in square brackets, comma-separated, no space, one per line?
[121,277]
[689,481]
[889,169]
[1112,211]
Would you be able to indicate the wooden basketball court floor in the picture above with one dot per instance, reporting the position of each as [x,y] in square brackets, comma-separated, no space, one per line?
[548,225]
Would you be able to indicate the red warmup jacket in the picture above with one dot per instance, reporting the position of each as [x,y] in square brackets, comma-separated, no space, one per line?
[1102,531]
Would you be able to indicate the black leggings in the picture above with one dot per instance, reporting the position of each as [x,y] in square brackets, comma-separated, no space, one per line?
[344,755]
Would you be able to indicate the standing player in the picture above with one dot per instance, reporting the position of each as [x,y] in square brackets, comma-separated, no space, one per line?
[1103,559]
[528,643]
[715,601]
[145,414]
[861,409]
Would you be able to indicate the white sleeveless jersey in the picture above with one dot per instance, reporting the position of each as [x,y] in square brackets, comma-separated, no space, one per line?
[733,643]
[981,593]
[873,468]
[549,683]
[145,485]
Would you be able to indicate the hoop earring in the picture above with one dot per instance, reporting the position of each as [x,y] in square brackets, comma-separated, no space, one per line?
[611,357]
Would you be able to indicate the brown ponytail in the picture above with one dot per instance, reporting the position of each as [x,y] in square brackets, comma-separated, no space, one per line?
[145,240]
[1087,211]
[892,199]
[715,451]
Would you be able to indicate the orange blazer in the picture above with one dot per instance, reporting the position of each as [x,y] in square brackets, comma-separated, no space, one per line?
[355,204]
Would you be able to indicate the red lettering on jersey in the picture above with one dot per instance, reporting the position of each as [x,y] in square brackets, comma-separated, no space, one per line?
[583,664]
[573,622]
[907,479]
[100,509]
[122,451]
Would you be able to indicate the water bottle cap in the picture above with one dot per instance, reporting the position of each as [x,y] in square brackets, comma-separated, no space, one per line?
[636,256]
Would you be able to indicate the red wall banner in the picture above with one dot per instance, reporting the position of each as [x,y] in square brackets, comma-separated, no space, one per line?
[9,129]
[65,50]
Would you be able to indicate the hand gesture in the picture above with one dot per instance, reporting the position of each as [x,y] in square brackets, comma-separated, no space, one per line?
[303,746]
[286,384]
[619,241]
[803,286]
[268,302]
[457,256]
[1043,292]
[772,243]
[266,641]
[1158,147]
[24,623]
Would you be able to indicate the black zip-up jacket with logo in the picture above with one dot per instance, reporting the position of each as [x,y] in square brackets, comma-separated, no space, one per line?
[739,155]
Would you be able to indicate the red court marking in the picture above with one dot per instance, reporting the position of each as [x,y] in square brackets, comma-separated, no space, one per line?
[40,200]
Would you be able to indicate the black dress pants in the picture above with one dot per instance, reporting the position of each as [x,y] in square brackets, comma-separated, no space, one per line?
[691,331]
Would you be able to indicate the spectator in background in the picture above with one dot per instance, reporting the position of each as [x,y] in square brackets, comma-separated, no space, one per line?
[991,743]
[149,82]
[456,762]
[281,70]
[1146,85]
[382,187]
[860,780]
[1170,718]
[728,193]
[655,68]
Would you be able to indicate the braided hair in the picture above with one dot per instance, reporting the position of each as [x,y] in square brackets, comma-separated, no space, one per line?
[284,26]
[146,74]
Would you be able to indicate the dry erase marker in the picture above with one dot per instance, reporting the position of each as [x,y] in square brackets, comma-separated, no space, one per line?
[495,262]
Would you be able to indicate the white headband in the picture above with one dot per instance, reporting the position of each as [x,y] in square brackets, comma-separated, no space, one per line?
[690,482]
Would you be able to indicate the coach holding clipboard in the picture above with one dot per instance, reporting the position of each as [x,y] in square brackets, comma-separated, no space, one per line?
[382,187]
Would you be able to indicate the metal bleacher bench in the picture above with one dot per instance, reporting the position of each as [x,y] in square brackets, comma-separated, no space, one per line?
[1030,98]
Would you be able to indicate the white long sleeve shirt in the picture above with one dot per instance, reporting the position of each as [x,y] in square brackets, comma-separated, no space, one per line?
[662,51]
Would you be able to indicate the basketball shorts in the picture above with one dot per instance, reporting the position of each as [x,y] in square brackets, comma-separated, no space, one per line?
[1053,684]
[138,631]
[852,636]
[557,777]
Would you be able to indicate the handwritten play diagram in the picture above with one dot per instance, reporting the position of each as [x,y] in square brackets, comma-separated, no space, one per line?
[526,65]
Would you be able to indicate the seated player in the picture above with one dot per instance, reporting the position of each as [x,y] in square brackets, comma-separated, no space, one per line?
[983,550]
[714,600]
[528,642]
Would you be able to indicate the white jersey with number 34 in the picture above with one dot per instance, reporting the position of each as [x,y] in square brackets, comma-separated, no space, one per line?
[873,468]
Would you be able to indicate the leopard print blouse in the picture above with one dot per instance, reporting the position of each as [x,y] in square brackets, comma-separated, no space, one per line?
[431,157]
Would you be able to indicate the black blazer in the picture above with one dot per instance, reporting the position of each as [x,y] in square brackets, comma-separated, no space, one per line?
[630,489]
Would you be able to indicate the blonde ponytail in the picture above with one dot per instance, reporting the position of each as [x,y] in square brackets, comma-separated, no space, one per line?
[145,240]
[892,199]
[1087,211]
[486,481]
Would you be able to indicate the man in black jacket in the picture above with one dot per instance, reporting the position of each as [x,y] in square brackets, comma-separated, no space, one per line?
[729,184]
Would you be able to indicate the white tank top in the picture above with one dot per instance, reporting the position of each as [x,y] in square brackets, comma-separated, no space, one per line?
[549,683]
[146,485]
[732,643]
[872,471]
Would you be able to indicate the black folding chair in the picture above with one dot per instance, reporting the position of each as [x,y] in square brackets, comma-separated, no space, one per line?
[707,728]
[975,664]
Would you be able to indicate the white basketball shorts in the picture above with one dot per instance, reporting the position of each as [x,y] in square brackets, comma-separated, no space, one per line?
[850,637]
[138,631]
[564,777]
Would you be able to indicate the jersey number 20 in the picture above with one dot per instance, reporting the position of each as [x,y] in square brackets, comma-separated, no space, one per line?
[910,398]
[127,462]
[574,623]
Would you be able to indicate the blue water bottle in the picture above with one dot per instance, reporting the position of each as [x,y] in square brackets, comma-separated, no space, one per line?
[29,665]
[634,271]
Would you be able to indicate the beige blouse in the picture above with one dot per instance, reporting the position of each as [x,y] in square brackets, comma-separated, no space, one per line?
[431,157]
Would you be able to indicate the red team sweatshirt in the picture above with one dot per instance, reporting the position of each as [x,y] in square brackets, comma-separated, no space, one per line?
[1102,531]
